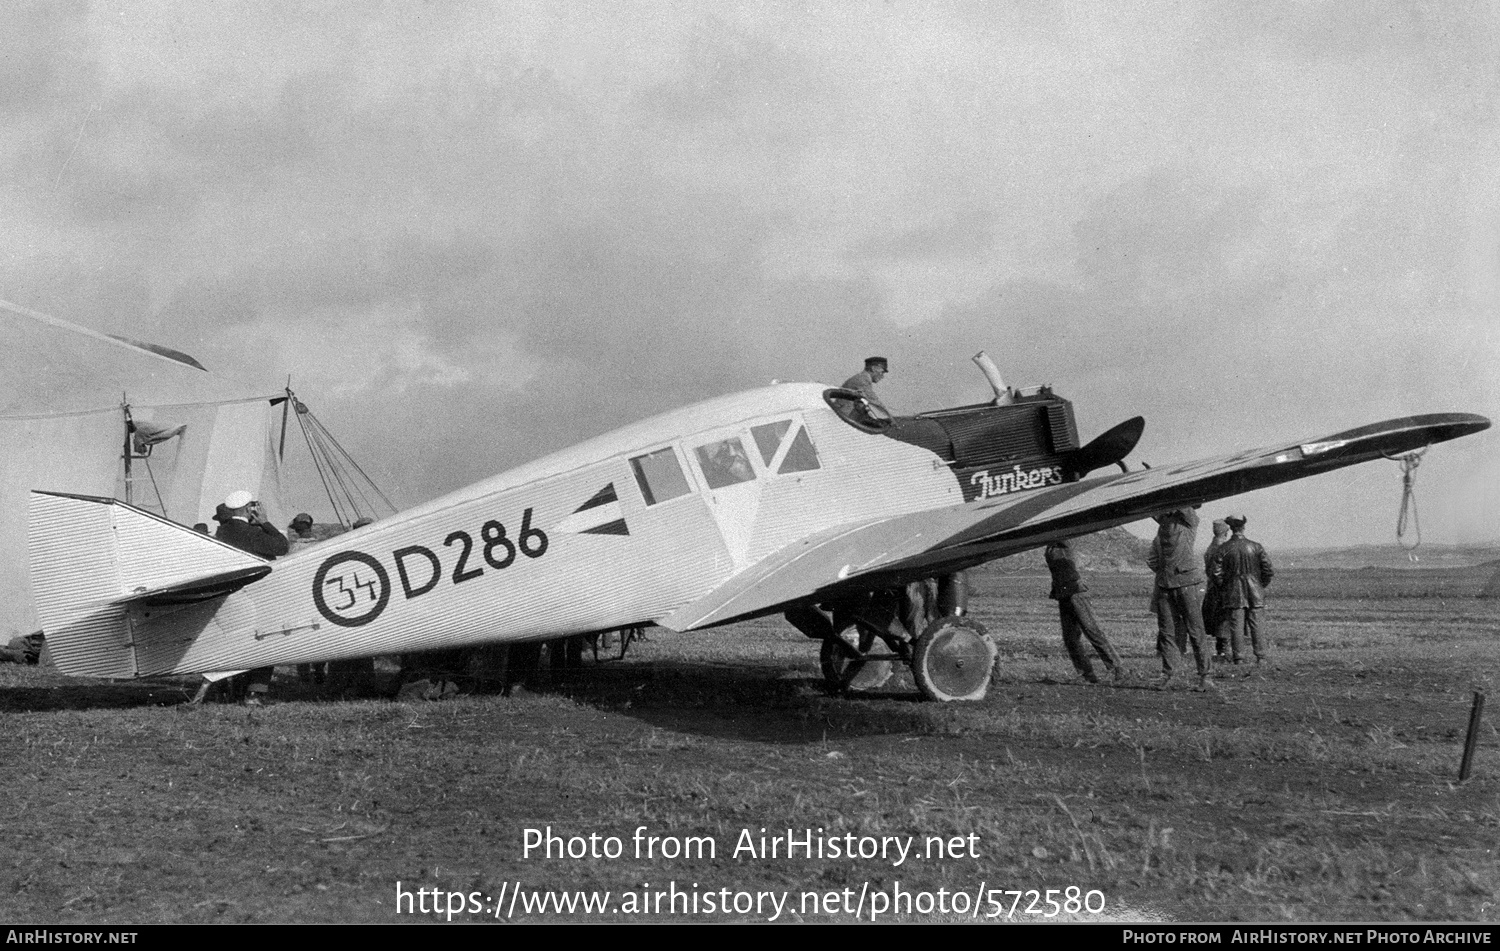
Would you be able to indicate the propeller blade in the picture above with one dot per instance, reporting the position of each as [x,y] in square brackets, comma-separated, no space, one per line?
[1106,449]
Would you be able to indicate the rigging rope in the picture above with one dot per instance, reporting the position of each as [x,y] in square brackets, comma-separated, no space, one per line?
[317,458]
[160,502]
[349,463]
[351,491]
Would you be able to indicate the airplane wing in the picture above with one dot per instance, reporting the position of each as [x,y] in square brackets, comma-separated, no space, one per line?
[892,550]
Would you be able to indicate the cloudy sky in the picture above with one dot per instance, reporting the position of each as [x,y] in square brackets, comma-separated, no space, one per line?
[474,232]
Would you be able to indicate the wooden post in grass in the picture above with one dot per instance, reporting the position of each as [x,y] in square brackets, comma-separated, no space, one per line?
[1473,738]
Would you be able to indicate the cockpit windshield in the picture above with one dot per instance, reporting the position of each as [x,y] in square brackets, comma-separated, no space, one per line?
[855,410]
[797,454]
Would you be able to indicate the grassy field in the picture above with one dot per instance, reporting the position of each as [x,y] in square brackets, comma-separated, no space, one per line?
[1324,790]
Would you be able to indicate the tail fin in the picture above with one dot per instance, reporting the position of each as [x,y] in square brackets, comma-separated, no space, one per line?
[97,562]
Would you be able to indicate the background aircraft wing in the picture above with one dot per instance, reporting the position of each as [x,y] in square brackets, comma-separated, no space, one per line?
[901,548]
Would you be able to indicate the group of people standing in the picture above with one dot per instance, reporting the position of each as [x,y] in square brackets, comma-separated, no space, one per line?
[1238,571]
[244,523]
[1224,594]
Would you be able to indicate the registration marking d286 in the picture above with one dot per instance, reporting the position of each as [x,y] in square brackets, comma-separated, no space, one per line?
[352,588]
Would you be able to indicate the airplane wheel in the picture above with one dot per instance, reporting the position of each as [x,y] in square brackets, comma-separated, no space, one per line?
[954,660]
[843,670]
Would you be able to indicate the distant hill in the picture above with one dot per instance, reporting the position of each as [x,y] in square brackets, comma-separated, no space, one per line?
[1113,549]
[1118,550]
[1388,556]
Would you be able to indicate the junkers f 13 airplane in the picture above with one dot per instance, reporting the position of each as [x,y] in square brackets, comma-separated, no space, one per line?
[796,498]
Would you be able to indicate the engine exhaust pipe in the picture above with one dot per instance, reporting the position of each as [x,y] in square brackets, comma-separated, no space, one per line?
[1003,394]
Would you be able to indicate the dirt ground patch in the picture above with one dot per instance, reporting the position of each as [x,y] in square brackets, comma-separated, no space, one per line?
[1322,790]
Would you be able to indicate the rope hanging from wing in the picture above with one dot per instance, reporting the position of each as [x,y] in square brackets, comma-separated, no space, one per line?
[351,492]
[1408,515]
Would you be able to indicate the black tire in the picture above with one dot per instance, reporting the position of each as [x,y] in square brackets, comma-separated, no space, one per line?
[839,656]
[954,660]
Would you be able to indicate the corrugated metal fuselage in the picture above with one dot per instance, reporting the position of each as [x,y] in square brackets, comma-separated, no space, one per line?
[571,543]
[725,509]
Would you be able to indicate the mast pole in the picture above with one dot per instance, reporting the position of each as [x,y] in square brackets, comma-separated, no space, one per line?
[285,408]
[125,452]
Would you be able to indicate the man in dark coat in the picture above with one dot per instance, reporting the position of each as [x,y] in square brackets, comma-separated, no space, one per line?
[1242,570]
[1077,615]
[1178,596]
[248,529]
[1212,614]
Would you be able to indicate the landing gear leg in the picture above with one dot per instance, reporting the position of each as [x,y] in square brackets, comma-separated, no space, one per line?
[846,669]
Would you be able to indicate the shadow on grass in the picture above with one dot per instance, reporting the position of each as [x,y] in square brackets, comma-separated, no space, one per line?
[44,690]
[748,703]
[92,695]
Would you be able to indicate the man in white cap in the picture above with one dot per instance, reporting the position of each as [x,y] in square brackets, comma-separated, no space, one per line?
[248,529]
[1242,570]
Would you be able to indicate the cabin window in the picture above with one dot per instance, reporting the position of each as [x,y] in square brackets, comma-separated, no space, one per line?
[800,456]
[659,475]
[725,463]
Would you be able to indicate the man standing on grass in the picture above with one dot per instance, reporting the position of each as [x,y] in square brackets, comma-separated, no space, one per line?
[1212,614]
[1077,615]
[1178,596]
[1242,569]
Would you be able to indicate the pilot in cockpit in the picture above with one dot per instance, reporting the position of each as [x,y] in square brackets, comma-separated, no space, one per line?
[869,410]
[864,382]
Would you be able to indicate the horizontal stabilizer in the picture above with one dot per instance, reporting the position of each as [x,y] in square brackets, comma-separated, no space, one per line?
[196,588]
[93,560]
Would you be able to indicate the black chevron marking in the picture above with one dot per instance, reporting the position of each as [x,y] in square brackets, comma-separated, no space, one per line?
[604,496]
